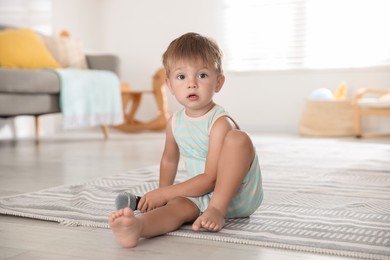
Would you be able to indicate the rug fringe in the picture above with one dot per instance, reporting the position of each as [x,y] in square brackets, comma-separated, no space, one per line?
[307,249]
[62,221]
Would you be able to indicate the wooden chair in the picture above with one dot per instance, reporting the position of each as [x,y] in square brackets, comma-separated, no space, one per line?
[134,98]
[370,107]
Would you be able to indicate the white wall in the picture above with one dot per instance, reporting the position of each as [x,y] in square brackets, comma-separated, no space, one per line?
[140,31]
[82,19]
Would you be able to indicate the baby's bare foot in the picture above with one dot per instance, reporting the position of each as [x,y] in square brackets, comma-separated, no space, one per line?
[126,227]
[212,219]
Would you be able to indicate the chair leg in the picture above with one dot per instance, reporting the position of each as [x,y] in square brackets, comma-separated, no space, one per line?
[358,123]
[136,99]
[37,127]
[162,103]
[105,131]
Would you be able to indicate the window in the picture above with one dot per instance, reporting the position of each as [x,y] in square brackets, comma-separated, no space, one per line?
[35,14]
[299,34]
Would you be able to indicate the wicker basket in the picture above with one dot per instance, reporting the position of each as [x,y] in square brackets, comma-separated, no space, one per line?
[327,118]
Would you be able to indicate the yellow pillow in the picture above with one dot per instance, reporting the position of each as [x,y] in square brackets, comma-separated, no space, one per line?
[23,49]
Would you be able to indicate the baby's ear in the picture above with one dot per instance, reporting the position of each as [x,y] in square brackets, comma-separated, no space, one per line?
[220,82]
[168,83]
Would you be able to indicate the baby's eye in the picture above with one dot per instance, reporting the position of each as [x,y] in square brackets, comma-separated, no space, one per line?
[181,77]
[203,75]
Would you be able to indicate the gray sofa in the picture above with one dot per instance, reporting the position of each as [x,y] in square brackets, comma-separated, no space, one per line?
[36,92]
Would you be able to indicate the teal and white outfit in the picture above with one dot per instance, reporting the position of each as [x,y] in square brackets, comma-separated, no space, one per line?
[192,138]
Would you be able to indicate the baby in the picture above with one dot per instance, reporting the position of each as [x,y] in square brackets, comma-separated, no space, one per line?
[224,177]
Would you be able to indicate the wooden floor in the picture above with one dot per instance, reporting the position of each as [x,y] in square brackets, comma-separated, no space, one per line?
[27,165]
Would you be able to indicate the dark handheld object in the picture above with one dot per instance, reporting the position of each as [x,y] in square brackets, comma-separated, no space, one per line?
[127,200]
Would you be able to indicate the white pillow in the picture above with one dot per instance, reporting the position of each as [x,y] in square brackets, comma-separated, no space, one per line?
[66,51]
[385,98]
[374,102]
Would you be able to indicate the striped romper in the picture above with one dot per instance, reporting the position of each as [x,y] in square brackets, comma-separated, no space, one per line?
[192,138]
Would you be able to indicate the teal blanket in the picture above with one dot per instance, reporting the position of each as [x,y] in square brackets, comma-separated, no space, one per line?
[89,98]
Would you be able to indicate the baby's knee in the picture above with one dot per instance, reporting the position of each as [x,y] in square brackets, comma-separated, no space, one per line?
[238,138]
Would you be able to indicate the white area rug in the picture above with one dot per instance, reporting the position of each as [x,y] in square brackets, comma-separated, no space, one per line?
[324,196]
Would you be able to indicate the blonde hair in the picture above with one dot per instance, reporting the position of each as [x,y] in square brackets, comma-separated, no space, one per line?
[193,46]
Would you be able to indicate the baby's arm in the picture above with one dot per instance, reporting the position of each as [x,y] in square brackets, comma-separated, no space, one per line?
[169,159]
[168,168]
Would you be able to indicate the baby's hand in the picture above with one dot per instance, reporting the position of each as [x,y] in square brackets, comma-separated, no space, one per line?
[152,200]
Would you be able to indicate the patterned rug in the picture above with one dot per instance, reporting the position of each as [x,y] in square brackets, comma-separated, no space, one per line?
[328,196]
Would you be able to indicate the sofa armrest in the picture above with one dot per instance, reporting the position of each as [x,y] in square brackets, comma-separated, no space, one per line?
[104,62]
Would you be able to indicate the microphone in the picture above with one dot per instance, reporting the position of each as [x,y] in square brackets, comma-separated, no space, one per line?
[127,200]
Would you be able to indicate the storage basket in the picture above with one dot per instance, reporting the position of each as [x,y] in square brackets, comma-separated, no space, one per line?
[327,118]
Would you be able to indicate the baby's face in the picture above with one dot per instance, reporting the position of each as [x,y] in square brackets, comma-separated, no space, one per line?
[193,84]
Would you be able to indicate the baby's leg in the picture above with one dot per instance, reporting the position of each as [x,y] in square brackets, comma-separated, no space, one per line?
[234,162]
[128,228]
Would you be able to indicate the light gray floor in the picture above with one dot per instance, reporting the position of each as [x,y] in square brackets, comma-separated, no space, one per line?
[66,158]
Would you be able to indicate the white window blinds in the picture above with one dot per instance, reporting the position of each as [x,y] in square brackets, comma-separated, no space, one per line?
[296,34]
[35,14]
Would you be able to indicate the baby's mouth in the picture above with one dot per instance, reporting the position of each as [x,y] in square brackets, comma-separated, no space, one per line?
[192,97]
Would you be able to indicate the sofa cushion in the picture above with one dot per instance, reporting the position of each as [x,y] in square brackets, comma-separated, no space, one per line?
[28,81]
[22,48]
